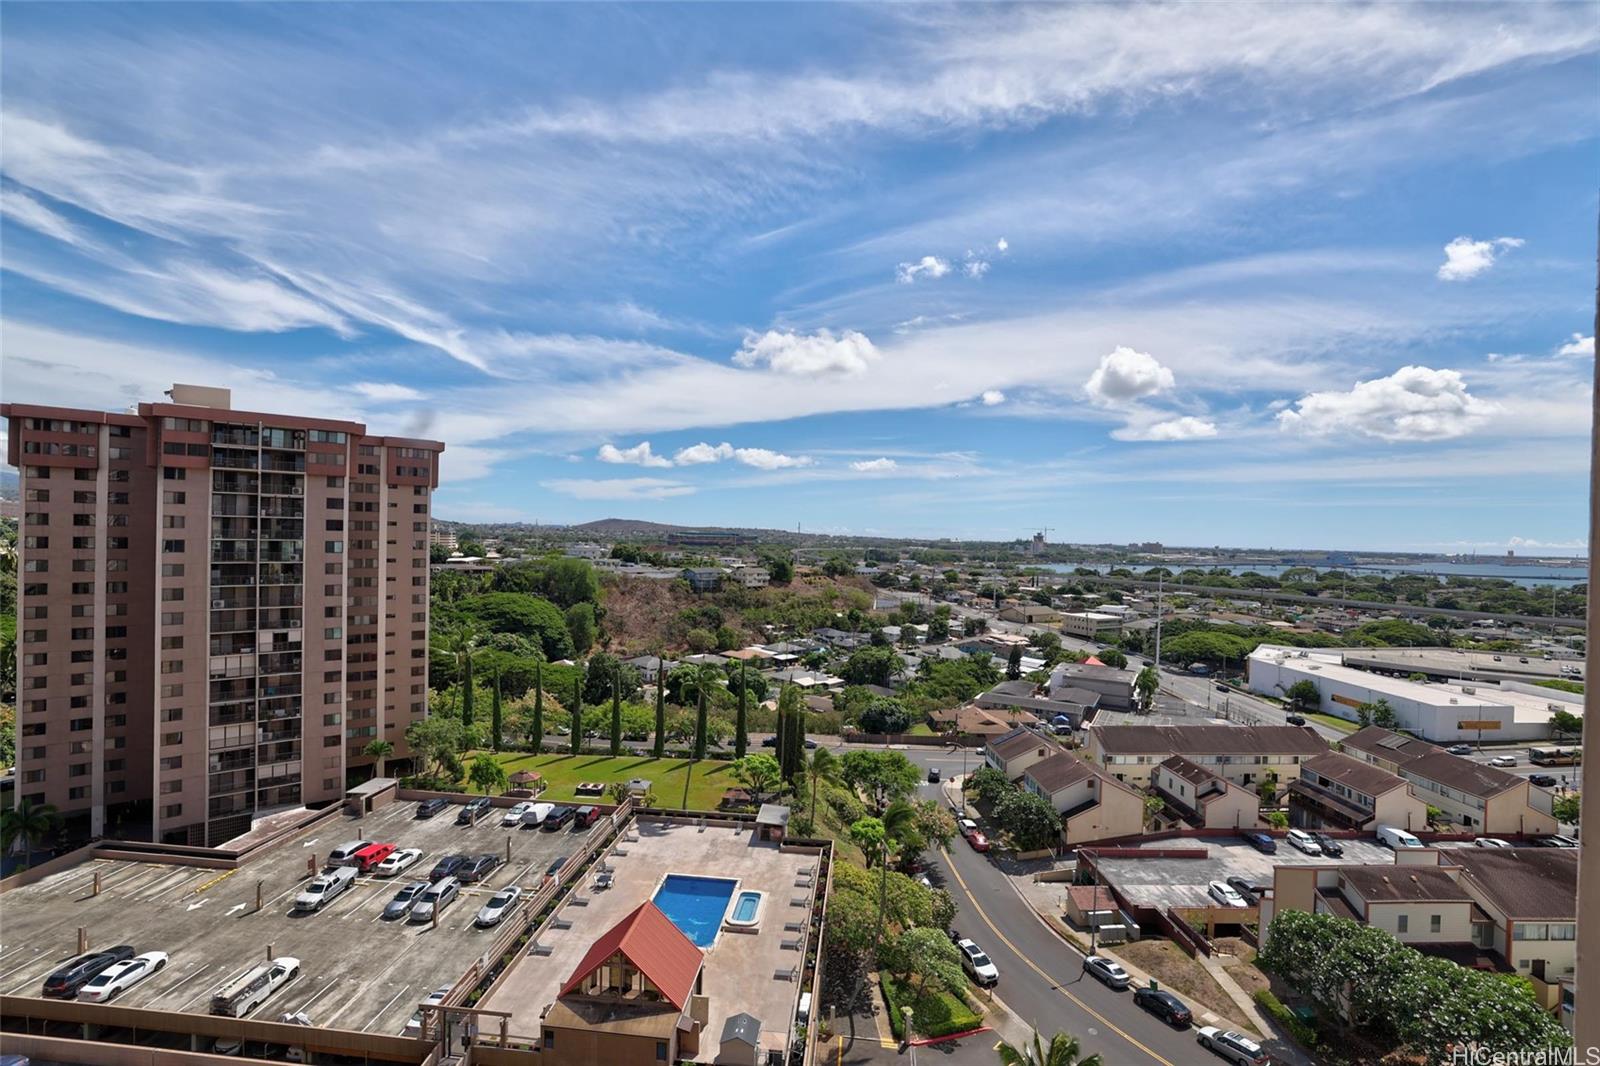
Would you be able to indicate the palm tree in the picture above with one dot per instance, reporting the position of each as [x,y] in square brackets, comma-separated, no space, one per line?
[538,708]
[461,648]
[24,827]
[740,740]
[379,749]
[577,712]
[661,709]
[616,712]
[1063,1050]
[822,766]
[495,713]
[700,724]
[899,817]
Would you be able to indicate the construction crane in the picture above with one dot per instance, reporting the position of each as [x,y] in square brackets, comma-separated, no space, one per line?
[1037,544]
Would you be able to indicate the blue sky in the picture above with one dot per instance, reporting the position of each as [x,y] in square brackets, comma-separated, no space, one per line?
[1268,275]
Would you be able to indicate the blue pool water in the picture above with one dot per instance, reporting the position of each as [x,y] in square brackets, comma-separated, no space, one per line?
[695,904]
[745,909]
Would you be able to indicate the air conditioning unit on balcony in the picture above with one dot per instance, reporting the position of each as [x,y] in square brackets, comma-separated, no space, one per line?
[219,605]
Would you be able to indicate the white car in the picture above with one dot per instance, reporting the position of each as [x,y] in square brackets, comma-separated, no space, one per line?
[1235,1047]
[1111,974]
[979,966]
[110,983]
[1304,841]
[414,1024]
[500,904]
[537,813]
[1226,894]
[967,826]
[513,815]
[401,860]
[1491,842]
[1503,760]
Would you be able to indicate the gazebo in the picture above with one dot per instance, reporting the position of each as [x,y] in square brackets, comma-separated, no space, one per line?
[530,780]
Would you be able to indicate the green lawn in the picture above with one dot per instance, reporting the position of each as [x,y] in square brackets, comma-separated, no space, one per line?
[666,776]
[1334,723]
[937,1013]
[921,729]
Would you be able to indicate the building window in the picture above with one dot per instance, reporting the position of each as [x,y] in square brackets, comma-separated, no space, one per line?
[1435,923]
[1402,923]
[549,1039]
[661,1051]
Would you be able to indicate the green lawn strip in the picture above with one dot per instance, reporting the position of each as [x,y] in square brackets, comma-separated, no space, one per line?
[921,729]
[1334,723]
[562,773]
[936,1013]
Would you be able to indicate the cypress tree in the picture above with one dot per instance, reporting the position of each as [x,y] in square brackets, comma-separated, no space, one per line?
[577,713]
[740,741]
[700,723]
[661,710]
[494,715]
[538,708]
[616,711]
[466,693]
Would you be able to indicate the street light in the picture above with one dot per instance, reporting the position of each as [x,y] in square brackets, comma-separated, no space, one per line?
[907,1012]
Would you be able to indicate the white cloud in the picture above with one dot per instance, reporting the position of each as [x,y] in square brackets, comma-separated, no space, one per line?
[1579,345]
[1126,375]
[976,268]
[1002,245]
[993,397]
[25,210]
[764,459]
[929,266]
[874,466]
[1466,258]
[808,355]
[1415,403]
[626,488]
[638,455]
[1184,428]
[703,453]
[385,391]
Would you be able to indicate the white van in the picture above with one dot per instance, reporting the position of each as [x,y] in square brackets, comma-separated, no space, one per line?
[346,852]
[244,993]
[1390,837]
[1303,840]
[325,889]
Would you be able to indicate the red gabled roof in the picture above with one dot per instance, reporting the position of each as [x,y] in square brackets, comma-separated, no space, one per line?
[648,939]
[1092,661]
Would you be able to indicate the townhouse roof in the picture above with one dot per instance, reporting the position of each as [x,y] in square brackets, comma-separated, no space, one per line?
[647,939]
[1524,883]
[1193,773]
[1398,884]
[1432,763]
[1210,739]
[1361,776]
[1059,771]
[1017,742]
[1388,745]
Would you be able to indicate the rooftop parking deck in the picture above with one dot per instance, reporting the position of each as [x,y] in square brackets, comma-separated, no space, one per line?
[741,968]
[358,972]
[1159,883]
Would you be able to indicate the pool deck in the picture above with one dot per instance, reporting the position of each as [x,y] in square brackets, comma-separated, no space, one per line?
[739,966]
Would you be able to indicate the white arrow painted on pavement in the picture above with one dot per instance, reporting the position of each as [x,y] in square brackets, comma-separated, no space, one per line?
[201,903]
[310,842]
[237,907]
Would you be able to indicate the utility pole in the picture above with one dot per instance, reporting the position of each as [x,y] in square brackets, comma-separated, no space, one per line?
[1159,575]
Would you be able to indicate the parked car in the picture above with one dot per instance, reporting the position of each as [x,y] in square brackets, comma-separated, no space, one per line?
[477,868]
[1398,839]
[1295,719]
[1226,894]
[967,826]
[1262,843]
[117,978]
[404,900]
[514,813]
[1553,840]
[1503,760]
[1244,888]
[324,889]
[584,818]
[250,989]
[933,775]
[370,857]
[770,742]
[978,841]
[535,815]
[1330,847]
[1164,1005]
[1108,973]
[1304,841]
[399,862]
[555,865]
[1542,780]
[473,810]
[65,981]
[447,866]
[979,967]
[500,904]
[345,852]
[1235,1047]
[430,807]
[1491,842]
[558,818]
[414,1023]
[435,898]
[1459,749]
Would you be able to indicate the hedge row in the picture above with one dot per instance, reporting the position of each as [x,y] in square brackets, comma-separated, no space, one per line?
[940,1013]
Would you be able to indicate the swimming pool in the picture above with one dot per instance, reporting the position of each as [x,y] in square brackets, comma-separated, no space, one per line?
[745,917]
[695,904]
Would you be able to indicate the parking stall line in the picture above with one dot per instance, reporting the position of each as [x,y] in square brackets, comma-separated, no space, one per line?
[179,983]
[381,1011]
[306,1006]
[18,969]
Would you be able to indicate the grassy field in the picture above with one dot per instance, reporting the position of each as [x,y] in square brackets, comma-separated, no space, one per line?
[666,776]
[921,729]
[1334,723]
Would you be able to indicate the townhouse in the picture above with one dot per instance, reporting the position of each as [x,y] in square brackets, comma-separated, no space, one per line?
[1243,755]
[1335,791]
[1481,798]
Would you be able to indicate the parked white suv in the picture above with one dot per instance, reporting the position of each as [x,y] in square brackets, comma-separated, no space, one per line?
[978,965]
[1303,840]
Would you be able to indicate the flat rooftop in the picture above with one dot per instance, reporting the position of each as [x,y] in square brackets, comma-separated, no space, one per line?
[740,971]
[358,972]
[1159,883]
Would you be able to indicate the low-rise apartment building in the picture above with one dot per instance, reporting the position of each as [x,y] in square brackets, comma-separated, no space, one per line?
[1335,791]
[1423,906]
[1114,686]
[1029,614]
[1017,750]
[1243,755]
[1092,625]
[1093,804]
[1482,798]
[1202,799]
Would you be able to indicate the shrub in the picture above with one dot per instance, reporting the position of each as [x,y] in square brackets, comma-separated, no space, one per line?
[1304,1034]
[937,1013]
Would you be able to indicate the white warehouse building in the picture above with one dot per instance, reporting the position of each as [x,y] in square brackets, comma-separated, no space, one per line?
[1440,712]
